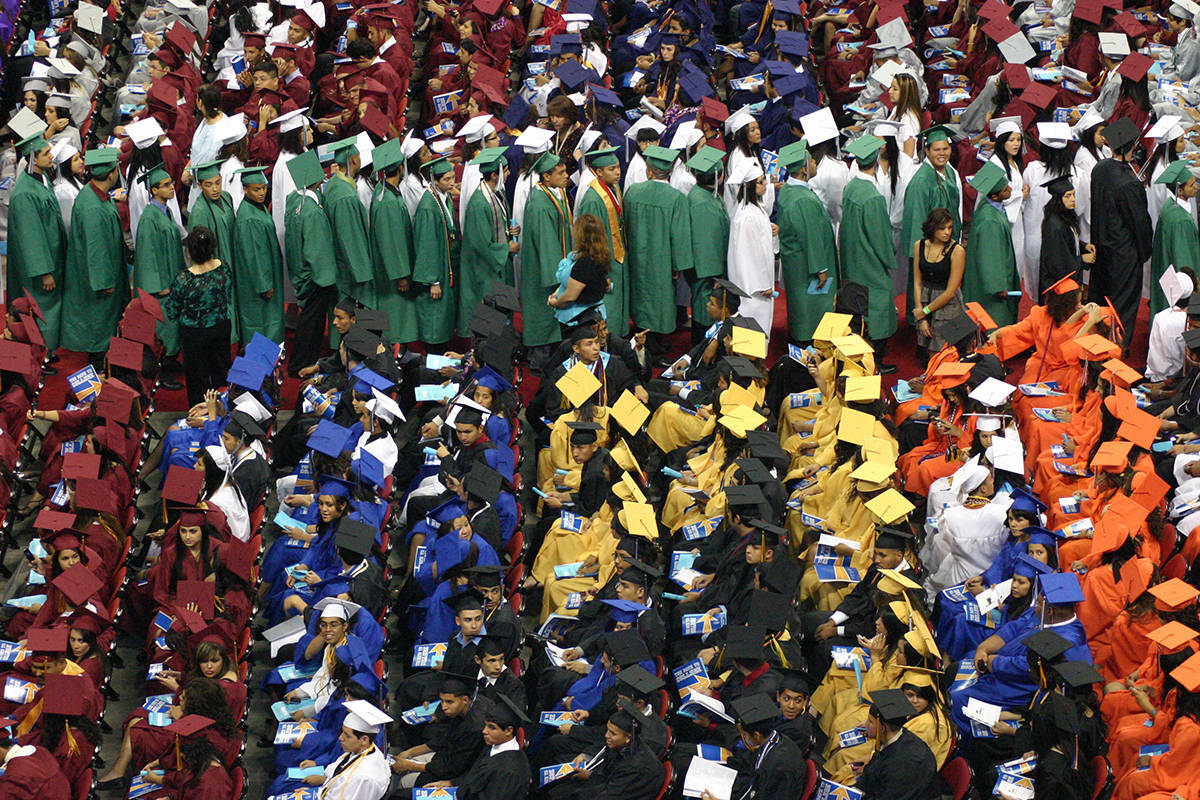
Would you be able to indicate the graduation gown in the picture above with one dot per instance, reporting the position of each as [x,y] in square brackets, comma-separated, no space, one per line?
[927,190]
[710,245]
[500,776]
[37,246]
[1177,244]
[607,206]
[218,217]
[95,276]
[658,230]
[157,258]
[259,270]
[904,770]
[485,255]
[392,255]
[1123,238]
[1059,253]
[806,247]
[545,241]
[991,266]
[361,776]
[630,774]
[751,262]
[34,775]
[436,248]
[778,771]
[865,246]
[348,220]
[307,244]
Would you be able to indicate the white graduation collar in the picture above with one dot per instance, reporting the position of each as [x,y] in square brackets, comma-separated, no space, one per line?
[511,744]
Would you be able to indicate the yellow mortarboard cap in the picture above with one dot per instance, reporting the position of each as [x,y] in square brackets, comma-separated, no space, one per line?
[855,426]
[890,579]
[578,384]
[749,343]
[873,471]
[832,326]
[852,346]
[890,506]
[738,395]
[863,389]
[741,419]
[639,519]
[631,486]
[629,412]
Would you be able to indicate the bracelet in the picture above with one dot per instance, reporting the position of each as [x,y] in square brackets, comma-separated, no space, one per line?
[925,310]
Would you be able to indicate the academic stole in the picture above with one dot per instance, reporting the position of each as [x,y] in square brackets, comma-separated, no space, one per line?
[564,218]
[767,747]
[449,230]
[612,204]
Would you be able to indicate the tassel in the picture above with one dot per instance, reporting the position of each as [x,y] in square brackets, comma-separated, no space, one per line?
[72,747]
[178,756]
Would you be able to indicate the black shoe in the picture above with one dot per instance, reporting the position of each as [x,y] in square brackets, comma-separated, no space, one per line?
[54,358]
[887,369]
[170,383]
[49,370]
[111,785]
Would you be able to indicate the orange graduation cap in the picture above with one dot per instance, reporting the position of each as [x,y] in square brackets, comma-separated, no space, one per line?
[1174,595]
[1111,456]
[1188,673]
[1172,636]
[1062,286]
[1120,520]
[1150,491]
[981,317]
[952,373]
[1136,574]
[1139,427]
[1113,318]
[1119,373]
[1096,347]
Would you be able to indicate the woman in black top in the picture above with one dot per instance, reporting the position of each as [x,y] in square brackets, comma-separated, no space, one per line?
[938,281]
[1062,252]
[585,270]
[199,300]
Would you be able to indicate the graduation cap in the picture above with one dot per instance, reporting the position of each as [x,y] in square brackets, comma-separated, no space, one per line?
[65,694]
[1047,644]
[890,538]
[770,609]
[1089,11]
[329,438]
[755,711]
[661,158]
[367,380]
[64,540]
[198,596]
[1174,595]
[1061,588]
[243,426]
[467,600]
[624,611]
[80,465]
[754,470]
[625,648]
[483,482]
[640,573]
[94,495]
[78,583]
[640,680]
[584,432]
[990,178]
[49,641]
[306,169]
[504,713]
[745,642]
[18,357]
[892,706]
[1134,67]
[744,497]
[248,373]
[355,536]
[1029,567]
[1188,673]
[865,148]
[503,297]
[331,486]
[1172,635]
[125,353]
[1121,134]
[792,43]
[238,557]
[486,576]
[361,342]
[694,84]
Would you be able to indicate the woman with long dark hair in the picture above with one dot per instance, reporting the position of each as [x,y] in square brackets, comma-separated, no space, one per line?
[1062,254]
[750,260]
[68,177]
[1092,150]
[199,301]
[1056,159]
[1169,142]
[906,109]
[937,280]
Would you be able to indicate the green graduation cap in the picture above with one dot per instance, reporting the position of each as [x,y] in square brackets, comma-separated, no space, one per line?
[344,150]
[489,158]
[794,155]
[660,157]
[252,175]
[989,179]
[154,176]
[101,157]
[387,155]
[865,148]
[1175,174]
[939,133]
[306,169]
[547,162]
[601,157]
[208,170]
[438,166]
[706,161]
[32,144]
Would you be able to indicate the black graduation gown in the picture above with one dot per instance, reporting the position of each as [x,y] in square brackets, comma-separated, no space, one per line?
[456,743]
[778,772]
[629,774]
[507,684]
[1055,779]
[1123,238]
[904,770]
[502,622]
[1060,252]
[504,776]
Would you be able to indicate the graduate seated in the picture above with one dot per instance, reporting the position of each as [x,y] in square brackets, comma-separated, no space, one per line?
[902,766]
[451,741]
[362,771]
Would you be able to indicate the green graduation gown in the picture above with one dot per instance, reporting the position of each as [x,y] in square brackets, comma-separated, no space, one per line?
[436,248]
[485,255]
[348,220]
[37,246]
[867,254]
[259,270]
[218,218]
[392,255]
[806,247]
[616,302]
[157,258]
[545,241]
[307,245]
[1176,244]
[658,228]
[96,261]
[991,265]
[710,246]
[926,191]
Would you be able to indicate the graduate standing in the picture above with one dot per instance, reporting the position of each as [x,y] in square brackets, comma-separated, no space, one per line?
[37,238]
[1120,227]
[710,234]
[486,247]
[258,278]
[213,209]
[990,276]
[865,243]
[308,250]
[95,276]
[1176,243]
[545,241]
[750,259]
[158,251]
[935,184]
[392,244]
[602,199]
[348,220]
[659,232]
[435,262]
[808,256]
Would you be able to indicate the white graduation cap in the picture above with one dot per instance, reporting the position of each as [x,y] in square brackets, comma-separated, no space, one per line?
[1054,135]
[58,100]
[1114,45]
[1003,125]
[233,129]
[1165,128]
[887,71]
[25,123]
[1184,9]
[987,422]
[883,127]
[144,132]
[746,170]
[248,404]
[1007,454]
[290,121]
[385,407]
[1016,49]
[65,68]
[365,146]
[992,393]
[686,135]
[534,139]
[738,120]
[1175,285]
[89,17]
[442,146]
[1090,118]
[819,126]
[333,608]
[894,33]
[465,402]
[968,477]
[39,70]
[645,122]
[181,7]
[410,145]
[475,129]
[364,717]
[314,11]
[62,151]
[588,139]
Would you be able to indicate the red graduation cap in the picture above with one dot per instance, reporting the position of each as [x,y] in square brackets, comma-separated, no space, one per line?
[94,495]
[80,465]
[375,121]
[197,596]
[66,694]
[1038,95]
[487,75]
[1135,66]
[85,620]
[78,583]
[714,110]
[182,485]
[1017,76]
[239,557]
[181,38]
[125,353]
[30,306]
[1130,24]
[112,437]
[890,10]
[487,7]
[48,519]
[1089,11]
[33,331]
[1000,29]
[49,640]
[150,305]
[191,621]
[115,402]
[255,39]
[993,9]
[17,357]
[189,725]
[138,326]
[493,93]
[64,540]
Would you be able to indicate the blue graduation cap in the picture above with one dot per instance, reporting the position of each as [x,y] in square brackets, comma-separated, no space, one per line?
[1029,567]
[565,43]
[1025,500]
[605,96]
[1040,535]
[368,469]
[787,8]
[624,610]
[788,84]
[335,487]
[248,373]
[1061,588]
[778,69]
[263,349]
[694,83]
[574,75]
[791,43]
[329,438]
[582,7]
[490,379]
[517,113]
[369,379]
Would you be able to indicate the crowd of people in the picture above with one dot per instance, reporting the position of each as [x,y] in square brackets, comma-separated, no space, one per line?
[481,297]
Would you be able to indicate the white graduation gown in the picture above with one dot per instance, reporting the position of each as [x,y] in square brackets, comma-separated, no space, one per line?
[1013,207]
[363,776]
[470,182]
[967,541]
[828,184]
[750,262]
[231,181]
[281,186]
[1084,162]
[636,172]
[736,158]
[411,189]
[66,192]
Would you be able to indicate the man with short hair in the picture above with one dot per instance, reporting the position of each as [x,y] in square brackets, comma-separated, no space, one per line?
[545,241]
[308,245]
[602,199]
[501,771]
[362,772]
[903,766]
[452,738]
[158,251]
[37,238]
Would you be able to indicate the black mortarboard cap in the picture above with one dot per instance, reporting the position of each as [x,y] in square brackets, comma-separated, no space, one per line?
[640,680]
[764,445]
[640,573]
[1078,674]
[955,329]
[892,706]
[1191,337]
[504,297]
[242,424]
[770,610]
[742,368]
[1047,644]
[1121,134]
[729,286]
[782,574]
[355,536]
[745,642]
[754,710]
[584,432]
[487,575]
[626,648]
[361,342]
[467,600]
[484,482]
[487,321]
[754,470]
[893,538]
[506,713]
[743,496]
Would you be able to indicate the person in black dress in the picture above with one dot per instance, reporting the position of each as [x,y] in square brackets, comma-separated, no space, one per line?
[938,279]
[1062,252]
[903,767]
